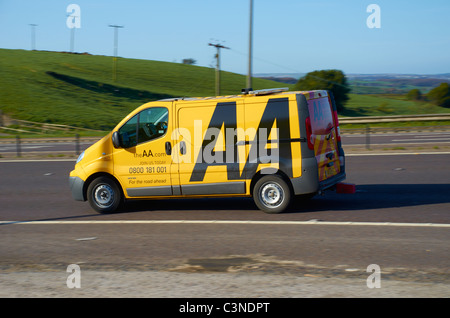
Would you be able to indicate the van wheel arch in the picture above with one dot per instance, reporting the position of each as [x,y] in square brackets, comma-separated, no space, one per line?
[95,176]
[272,193]
[260,175]
[104,175]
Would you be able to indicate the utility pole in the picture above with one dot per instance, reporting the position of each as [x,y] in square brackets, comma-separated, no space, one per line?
[72,40]
[116,36]
[218,47]
[250,40]
[33,36]
[73,22]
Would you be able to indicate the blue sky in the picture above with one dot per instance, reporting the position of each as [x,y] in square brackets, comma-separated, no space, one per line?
[289,36]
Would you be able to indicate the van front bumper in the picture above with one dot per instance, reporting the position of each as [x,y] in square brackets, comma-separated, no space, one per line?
[77,187]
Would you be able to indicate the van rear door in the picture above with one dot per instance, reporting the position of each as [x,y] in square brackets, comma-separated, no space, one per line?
[323,134]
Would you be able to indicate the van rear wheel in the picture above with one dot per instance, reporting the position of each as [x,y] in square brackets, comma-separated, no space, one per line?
[104,195]
[272,194]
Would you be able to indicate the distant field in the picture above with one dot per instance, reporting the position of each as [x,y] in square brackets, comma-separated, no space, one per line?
[385,105]
[78,90]
[394,85]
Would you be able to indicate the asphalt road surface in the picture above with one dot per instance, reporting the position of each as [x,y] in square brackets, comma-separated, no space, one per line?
[68,146]
[44,146]
[398,221]
[395,138]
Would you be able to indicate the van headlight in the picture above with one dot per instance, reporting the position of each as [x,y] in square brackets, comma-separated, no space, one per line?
[80,157]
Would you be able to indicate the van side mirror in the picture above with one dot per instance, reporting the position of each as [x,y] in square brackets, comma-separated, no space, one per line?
[116,140]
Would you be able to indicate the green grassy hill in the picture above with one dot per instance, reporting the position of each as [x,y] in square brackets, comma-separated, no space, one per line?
[78,90]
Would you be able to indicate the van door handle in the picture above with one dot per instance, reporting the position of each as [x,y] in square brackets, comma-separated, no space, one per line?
[168,148]
[182,147]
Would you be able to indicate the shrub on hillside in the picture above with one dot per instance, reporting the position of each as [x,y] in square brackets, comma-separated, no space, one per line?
[440,95]
[414,94]
[332,80]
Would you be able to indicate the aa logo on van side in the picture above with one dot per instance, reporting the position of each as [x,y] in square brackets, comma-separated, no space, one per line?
[220,143]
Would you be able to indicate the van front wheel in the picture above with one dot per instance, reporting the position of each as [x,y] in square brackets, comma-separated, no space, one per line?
[104,195]
[272,194]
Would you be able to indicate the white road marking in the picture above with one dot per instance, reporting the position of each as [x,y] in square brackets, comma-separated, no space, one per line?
[86,239]
[394,144]
[311,222]
[432,136]
[415,135]
[427,139]
[22,147]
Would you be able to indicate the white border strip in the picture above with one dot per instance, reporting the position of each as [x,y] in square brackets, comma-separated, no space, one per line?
[312,222]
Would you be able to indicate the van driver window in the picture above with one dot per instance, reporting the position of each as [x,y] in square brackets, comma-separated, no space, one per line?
[147,125]
[152,123]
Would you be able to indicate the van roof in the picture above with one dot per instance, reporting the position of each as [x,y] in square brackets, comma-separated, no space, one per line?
[263,92]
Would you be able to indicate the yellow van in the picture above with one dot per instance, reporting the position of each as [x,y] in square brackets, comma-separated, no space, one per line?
[268,144]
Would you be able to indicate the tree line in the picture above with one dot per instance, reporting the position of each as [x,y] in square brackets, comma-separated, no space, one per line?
[439,95]
[331,80]
[336,82]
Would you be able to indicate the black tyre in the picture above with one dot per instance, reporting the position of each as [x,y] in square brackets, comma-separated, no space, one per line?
[272,194]
[104,195]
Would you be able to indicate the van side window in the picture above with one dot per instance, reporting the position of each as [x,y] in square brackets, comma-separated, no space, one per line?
[147,125]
